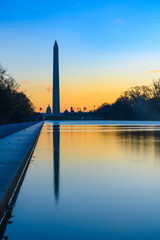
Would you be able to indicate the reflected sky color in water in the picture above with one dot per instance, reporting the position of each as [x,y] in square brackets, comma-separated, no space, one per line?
[91,182]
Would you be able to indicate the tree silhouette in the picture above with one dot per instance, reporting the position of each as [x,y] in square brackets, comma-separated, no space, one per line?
[14,106]
[137,103]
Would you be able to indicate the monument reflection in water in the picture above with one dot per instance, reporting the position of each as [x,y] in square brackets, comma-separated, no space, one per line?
[106,182]
[56,154]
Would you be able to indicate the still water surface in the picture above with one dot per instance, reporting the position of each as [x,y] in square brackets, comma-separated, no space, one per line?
[92,181]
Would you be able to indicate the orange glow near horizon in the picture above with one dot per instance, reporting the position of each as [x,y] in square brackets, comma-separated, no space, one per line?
[85,90]
[73,96]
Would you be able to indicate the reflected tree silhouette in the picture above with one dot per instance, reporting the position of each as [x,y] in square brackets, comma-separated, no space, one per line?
[141,139]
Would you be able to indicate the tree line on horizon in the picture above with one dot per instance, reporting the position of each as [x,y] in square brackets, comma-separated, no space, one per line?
[137,103]
[15,106]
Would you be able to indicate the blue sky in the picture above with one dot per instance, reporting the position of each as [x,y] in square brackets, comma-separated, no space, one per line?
[105,47]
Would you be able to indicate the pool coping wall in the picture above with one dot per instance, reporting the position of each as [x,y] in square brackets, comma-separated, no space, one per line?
[15,153]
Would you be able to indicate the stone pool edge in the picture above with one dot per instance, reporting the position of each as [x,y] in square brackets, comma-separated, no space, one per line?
[15,153]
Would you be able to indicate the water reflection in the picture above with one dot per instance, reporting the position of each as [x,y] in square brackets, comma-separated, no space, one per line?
[109,185]
[56,153]
[141,141]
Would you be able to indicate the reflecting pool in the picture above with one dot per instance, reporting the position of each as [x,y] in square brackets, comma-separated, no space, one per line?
[91,181]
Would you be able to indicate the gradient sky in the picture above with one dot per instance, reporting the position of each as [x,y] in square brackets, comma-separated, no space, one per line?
[105,47]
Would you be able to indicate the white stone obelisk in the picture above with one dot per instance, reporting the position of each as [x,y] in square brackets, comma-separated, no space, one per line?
[56,97]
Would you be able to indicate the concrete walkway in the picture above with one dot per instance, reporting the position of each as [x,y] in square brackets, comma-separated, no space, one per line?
[7,129]
[14,154]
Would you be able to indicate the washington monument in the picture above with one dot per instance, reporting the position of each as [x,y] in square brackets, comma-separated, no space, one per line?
[56,98]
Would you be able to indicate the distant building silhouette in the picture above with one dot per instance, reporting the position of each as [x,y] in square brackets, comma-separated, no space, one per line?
[72,111]
[66,112]
[56,97]
[48,110]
